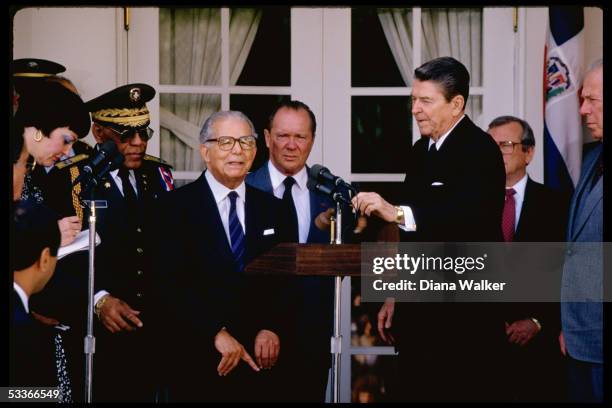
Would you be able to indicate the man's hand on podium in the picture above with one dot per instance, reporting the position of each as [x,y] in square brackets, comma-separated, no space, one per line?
[385,320]
[267,348]
[231,353]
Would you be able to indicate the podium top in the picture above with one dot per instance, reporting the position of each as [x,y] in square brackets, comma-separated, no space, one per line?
[309,260]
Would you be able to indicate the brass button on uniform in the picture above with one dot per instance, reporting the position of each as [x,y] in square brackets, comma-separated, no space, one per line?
[138,229]
[139,250]
[139,273]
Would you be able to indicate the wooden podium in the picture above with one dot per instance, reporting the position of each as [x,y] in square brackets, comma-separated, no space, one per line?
[336,261]
[309,260]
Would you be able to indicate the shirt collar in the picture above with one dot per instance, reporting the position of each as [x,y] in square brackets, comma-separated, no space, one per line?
[520,186]
[443,137]
[277,178]
[220,191]
[22,295]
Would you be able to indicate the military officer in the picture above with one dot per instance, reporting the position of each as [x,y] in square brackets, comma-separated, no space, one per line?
[27,74]
[123,278]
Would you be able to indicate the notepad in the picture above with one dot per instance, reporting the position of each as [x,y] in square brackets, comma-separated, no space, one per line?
[80,243]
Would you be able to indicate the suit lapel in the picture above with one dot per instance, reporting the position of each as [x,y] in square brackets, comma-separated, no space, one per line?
[112,194]
[577,219]
[261,179]
[206,213]
[591,199]
[526,210]
[253,227]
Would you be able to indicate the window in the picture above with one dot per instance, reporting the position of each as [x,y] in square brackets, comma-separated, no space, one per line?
[214,59]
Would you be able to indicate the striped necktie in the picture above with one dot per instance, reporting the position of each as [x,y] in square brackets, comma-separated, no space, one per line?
[236,233]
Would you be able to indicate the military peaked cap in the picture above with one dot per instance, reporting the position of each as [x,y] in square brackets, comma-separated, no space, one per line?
[124,106]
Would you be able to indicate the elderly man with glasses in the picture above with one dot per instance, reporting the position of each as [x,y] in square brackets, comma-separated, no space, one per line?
[228,320]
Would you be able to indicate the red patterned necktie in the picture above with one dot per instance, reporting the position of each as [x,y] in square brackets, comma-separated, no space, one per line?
[509,215]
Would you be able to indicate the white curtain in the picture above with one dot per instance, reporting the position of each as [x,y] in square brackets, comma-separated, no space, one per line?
[190,54]
[454,32]
[396,24]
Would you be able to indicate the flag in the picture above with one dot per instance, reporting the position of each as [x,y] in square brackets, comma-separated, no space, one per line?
[563,72]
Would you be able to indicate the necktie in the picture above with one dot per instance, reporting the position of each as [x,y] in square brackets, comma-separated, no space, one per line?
[290,204]
[508,217]
[433,149]
[128,191]
[431,167]
[236,232]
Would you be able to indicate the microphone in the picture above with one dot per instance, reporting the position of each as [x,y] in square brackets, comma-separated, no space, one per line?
[322,173]
[115,162]
[323,189]
[107,150]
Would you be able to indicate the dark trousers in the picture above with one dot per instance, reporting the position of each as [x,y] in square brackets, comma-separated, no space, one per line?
[534,372]
[124,369]
[584,380]
[297,378]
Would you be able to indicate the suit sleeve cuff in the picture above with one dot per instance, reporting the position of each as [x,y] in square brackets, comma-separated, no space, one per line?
[409,224]
[99,295]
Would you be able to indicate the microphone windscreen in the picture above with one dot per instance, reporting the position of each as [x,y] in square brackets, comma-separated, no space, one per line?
[315,171]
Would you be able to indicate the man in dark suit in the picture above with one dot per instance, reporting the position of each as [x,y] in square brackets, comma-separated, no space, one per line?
[35,243]
[303,368]
[532,213]
[123,259]
[581,340]
[453,191]
[217,225]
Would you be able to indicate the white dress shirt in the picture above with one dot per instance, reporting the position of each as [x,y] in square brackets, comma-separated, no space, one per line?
[519,197]
[22,295]
[115,175]
[409,223]
[300,194]
[220,193]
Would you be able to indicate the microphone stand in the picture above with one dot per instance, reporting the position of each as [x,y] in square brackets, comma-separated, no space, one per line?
[90,340]
[336,340]
[335,239]
[93,205]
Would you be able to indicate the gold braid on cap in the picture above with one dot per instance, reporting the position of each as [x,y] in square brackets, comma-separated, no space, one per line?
[132,117]
[31,75]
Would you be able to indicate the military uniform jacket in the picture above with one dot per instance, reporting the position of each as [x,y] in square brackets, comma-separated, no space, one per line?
[123,264]
[56,185]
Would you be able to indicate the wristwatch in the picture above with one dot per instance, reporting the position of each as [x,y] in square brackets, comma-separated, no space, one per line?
[399,217]
[98,307]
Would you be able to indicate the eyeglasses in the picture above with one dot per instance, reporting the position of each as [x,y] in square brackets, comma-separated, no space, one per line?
[127,134]
[228,142]
[507,146]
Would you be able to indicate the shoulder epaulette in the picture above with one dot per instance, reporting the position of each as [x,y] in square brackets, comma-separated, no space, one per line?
[157,160]
[70,161]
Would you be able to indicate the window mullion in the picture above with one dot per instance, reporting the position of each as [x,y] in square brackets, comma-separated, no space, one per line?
[225,54]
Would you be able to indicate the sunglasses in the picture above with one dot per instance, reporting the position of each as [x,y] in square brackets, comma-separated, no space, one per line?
[127,134]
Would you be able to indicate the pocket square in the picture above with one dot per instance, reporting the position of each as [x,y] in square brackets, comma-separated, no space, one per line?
[268,231]
[437,183]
